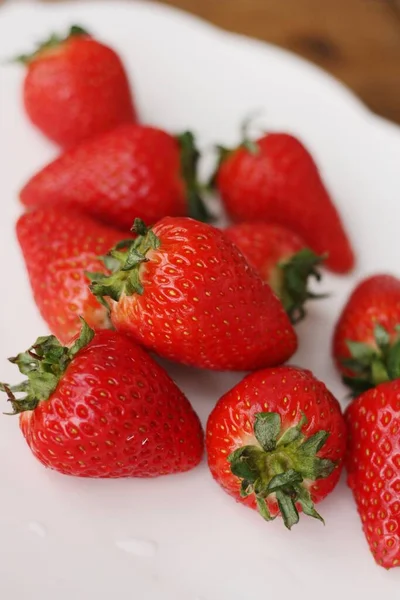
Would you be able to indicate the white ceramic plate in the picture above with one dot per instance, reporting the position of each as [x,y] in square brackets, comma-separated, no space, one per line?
[181,537]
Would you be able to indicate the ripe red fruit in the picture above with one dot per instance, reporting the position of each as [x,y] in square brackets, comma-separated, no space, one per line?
[364,342]
[75,88]
[132,171]
[276,179]
[185,291]
[59,246]
[282,260]
[276,442]
[103,408]
[373,465]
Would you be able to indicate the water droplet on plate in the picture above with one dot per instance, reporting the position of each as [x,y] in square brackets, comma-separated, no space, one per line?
[145,548]
[37,528]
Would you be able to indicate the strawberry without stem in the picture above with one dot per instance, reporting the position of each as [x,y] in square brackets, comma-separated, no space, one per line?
[186,292]
[76,88]
[373,465]
[276,442]
[132,171]
[275,179]
[364,342]
[282,260]
[59,246]
[103,408]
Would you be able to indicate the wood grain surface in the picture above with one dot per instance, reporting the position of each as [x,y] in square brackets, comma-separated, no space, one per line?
[356,40]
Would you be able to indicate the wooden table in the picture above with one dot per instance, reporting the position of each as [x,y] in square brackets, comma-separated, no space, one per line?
[356,40]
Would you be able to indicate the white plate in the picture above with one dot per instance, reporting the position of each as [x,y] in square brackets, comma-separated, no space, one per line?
[181,537]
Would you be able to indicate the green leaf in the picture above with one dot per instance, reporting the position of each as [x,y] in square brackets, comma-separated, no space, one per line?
[52,42]
[139,227]
[250,145]
[307,505]
[77,30]
[244,462]
[25,362]
[43,384]
[263,509]
[222,154]
[323,467]
[266,429]
[355,366]
[246,488]
[313,444]
[44,363]
[288,509]
[393,361]
[379,372]
[361,352]
[283,480]
[293,433]
[133,258]
[358,385]
[154,242]
[124,262]
[189,166]
[85,337]
[293,291]
[96,276]
[381,336]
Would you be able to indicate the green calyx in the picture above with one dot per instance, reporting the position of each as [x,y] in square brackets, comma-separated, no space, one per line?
[373,364]
[189,165]
[124,262]
[293,283]
[279,465]
[224,153]
[43,364]
[51,43]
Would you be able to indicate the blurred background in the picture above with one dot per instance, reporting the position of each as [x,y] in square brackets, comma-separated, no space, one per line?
[356,40]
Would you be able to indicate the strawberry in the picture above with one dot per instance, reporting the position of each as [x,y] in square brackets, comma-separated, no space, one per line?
[373,466]
[282,260]
[186,292]
[275,179]
[75,87]
[132,171]
[58,247]
[365,346]
[276,442]
[103,408]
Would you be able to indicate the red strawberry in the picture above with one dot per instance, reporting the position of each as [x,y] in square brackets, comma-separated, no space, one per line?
[75,88]
[282,260]
[58,248]
[133,171]
[103,408]
[276,442]
[186,292]
[275,179]
[373,465]
[366,330]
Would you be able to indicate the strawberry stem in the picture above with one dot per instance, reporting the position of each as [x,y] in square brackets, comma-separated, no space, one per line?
[43,364]
[279,465]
